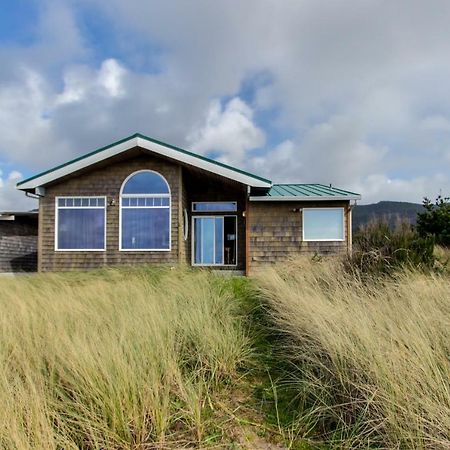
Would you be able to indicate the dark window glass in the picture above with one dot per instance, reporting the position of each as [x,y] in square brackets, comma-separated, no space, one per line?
[82,229]
[145,228]
[214,206]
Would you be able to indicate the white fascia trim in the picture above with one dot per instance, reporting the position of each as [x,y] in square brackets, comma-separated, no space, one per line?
[201,164]
[304,199]
[151,146]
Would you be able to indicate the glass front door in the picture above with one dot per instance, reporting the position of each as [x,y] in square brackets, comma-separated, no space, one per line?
[214,240]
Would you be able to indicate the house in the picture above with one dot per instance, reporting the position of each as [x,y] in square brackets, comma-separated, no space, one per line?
[18,241]
[140,200]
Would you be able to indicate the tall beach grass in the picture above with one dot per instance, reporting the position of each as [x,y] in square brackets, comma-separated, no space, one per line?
[118,360]
[366,363]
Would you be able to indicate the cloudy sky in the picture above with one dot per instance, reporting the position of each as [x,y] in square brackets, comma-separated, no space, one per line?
[350,92]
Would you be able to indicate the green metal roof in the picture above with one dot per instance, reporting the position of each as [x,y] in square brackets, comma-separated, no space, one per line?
[149,139]
[306,192]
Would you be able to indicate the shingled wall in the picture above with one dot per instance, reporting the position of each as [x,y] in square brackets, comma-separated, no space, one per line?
[106,181]
[275,232]
[18,244]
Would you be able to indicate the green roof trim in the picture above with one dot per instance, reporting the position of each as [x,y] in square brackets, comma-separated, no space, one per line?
[305,192]
[155,141]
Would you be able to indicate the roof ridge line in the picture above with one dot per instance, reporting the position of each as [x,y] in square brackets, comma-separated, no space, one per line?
[149,139]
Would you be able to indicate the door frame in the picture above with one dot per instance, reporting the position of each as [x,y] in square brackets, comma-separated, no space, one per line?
[212,216]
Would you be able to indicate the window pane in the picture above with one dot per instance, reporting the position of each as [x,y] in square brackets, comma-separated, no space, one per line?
[100,202]
[145,228]
[141,201]
[219,240]
[81,229]
[230,240]
[146,183]
[198,241]
[133,201]
[84,202]
[126,202]
[204,235]
[165,201]
[61,202]
[92,202]
[69,201]
[214,206]
[323,224]
[77,202]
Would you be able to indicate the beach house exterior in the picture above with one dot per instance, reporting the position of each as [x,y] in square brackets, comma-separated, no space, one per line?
[141,201]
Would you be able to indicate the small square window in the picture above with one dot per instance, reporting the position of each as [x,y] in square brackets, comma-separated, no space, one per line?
[141,201]
[77,202]
[69,201]
[100,201]
[323,224]
[61,202]
[84,202]
[126,201]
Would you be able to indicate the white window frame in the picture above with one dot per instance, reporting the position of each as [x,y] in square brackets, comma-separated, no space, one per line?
[324,240]
[185,224]
[213,210]
[222,216]
[121,196]
[57,208]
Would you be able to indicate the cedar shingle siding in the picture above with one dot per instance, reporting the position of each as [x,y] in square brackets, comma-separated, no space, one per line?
[272,233]
[187,185]
[106,181]
[18,245]
[276,232]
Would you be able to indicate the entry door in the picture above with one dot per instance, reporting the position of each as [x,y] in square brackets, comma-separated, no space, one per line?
[208,240]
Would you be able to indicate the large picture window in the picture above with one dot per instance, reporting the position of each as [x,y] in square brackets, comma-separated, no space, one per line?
[323,224]
[80,223]
[145,212]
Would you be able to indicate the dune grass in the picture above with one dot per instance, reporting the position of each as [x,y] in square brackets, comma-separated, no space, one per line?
[361,363]
[306,354]
[116,360]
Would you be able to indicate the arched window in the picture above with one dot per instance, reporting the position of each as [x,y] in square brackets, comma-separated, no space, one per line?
[145,212]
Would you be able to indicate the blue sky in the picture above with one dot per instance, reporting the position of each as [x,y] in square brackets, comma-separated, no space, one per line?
[354,93]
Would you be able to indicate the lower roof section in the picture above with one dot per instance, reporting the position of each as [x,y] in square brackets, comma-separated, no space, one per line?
[304,192]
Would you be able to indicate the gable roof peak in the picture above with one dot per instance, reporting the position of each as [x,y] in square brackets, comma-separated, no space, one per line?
[152,145]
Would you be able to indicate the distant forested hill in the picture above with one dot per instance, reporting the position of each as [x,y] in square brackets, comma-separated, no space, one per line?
[390,211]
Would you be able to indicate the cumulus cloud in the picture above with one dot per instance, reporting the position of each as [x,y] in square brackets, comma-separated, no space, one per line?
[357,92]
[10,198]
[331,152]
[229,130]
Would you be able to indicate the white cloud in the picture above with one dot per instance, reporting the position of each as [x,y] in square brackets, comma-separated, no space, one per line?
[357,92]
[82,83]
[435,123]
[380,186]
[331,152]
[10,198]
[229,130]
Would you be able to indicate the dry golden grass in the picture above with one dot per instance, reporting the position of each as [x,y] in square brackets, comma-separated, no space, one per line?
[119,360]
[367,362]
[143,359]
